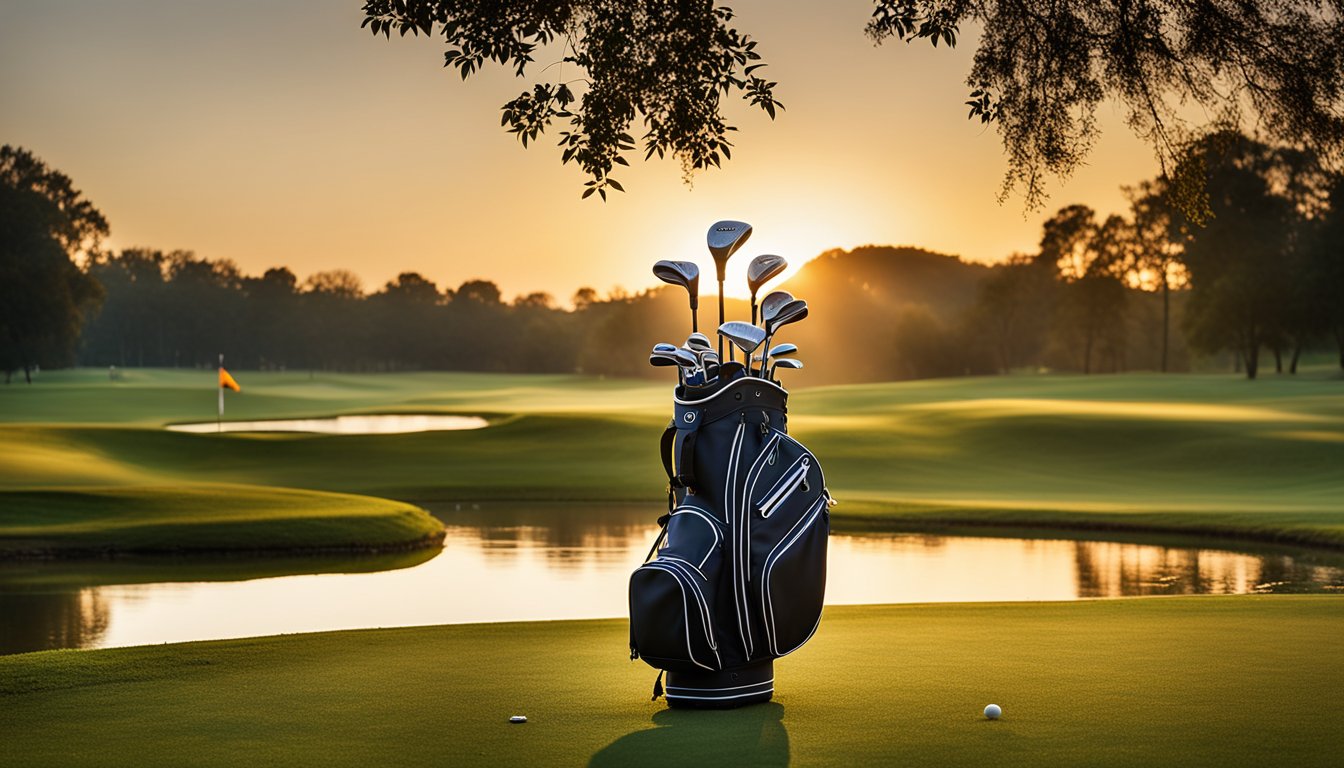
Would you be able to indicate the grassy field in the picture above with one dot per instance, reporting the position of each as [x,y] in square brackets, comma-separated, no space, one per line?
[206,518]
[1166,454]
[1194,681]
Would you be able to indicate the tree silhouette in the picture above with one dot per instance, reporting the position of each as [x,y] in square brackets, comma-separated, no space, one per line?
[666,64]
[44,297]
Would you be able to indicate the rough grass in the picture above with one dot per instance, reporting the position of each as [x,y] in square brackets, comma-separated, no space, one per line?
[1165,454]
[1189,681]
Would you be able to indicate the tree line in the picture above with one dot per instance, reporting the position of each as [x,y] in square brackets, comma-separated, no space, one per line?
[1257,267]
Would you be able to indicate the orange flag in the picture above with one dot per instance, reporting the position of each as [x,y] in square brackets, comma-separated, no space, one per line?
[226,381]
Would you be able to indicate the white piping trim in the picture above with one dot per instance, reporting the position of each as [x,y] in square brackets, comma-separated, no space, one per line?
[767,601]
[771,681]
[686,610]
[677,566]
[713,524]
[720,698]
[786,487]
[744,381]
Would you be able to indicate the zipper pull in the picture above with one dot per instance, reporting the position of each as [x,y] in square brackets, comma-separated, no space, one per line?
[658,686]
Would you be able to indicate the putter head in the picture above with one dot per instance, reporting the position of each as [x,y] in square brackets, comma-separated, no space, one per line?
[772,303]
[723,239]
[683,273]
[763,269]
[746,336]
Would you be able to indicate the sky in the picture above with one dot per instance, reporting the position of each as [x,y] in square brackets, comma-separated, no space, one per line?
[280,133]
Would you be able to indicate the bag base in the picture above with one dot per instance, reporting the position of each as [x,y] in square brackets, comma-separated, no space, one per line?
[730,688]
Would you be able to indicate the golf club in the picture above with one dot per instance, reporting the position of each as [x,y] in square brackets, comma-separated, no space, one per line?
[791,312]
[762,270]
[678,357]
[781,350]
[723,239]
[785,362]
[687,275]
[745,336]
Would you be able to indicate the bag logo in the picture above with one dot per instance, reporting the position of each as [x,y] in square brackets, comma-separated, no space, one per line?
[689,416]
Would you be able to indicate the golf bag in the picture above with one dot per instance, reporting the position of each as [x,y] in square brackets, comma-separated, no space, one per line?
[740,569]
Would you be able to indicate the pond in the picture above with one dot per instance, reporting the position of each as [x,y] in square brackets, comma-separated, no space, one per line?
[502,563]
[374,424]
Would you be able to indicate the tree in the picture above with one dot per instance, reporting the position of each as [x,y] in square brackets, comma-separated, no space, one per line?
[44,296]
[1013,310]
[1240,259]
[1155,261]
[1039,72]
[1323,269]
[667,64]
[1085,258]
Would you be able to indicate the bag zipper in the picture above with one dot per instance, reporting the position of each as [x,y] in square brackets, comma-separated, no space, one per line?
[796,478]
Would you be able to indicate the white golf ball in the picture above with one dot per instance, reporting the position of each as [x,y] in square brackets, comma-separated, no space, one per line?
[993,711]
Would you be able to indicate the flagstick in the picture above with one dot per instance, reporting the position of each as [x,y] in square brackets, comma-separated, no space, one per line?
[219,419]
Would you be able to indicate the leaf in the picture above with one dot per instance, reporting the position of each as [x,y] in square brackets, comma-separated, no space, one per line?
[588,192]
[615,185]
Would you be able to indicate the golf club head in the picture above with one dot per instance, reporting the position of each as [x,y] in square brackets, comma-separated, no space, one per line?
[723,239]
[785,362]
[698,341]
[772,303]
[683,273]
[745,336]
[789,313]
[763,269]
[685,358]
[783,350]
[664,347]
[659,360]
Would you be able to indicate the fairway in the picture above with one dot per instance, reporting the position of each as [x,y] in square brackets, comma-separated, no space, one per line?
[1199,681]
[1179,454]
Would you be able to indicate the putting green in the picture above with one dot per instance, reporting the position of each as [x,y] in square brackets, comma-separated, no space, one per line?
[1189,681]
[1189,454]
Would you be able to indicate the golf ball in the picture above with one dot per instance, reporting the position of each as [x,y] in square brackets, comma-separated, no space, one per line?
[993,711]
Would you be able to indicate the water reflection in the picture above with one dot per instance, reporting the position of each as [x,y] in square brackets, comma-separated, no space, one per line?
[505,563]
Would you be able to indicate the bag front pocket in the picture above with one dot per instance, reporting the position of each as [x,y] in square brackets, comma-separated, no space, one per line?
[793,581]
[671,620]
[672,597]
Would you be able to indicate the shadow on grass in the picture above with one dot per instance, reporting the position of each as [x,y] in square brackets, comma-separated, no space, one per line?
[753,735]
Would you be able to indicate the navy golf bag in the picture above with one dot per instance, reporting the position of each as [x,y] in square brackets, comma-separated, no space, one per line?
[739,574]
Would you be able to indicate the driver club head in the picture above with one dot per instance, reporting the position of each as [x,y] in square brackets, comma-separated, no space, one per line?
[685,274]
[724,238]
[762,270]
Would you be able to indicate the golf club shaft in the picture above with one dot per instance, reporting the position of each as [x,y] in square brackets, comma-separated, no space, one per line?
[730,346]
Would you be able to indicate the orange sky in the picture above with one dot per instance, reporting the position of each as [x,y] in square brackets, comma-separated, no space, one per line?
[281,133]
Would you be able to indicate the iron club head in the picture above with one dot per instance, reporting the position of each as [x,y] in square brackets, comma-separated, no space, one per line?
[745,336]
